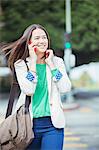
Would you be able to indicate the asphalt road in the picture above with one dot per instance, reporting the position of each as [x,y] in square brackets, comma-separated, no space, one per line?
[82,129]
[82,124]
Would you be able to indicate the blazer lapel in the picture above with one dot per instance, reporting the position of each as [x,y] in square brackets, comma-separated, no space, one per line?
[48,75]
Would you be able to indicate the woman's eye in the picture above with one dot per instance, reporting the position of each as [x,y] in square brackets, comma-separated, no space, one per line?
[44,37]
[36,38]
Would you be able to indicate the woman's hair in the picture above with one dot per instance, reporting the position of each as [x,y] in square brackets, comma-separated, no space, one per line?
[19,49]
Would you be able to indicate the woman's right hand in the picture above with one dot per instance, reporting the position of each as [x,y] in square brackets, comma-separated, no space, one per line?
[32,51]
[33,57]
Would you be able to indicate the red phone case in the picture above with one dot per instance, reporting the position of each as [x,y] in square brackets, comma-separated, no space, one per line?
[35,49]
[46,54]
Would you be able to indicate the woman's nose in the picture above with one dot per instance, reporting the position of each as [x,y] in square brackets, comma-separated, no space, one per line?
[41,40]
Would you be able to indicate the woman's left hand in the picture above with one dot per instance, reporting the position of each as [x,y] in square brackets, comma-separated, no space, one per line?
[49,59]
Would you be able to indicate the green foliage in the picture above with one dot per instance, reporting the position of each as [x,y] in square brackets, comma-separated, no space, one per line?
[85,19]
[18,14]
[21,13]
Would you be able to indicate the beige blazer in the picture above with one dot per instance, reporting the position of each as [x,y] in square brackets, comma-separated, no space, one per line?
[54,88]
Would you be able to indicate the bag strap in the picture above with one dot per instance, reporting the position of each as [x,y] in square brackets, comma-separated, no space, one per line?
[13,91]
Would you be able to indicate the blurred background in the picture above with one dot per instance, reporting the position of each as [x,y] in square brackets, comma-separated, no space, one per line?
[73,26]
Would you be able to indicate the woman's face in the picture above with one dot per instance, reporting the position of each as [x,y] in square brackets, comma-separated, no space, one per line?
[39,39]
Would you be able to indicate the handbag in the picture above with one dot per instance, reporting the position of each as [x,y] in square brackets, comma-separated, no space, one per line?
[16,130]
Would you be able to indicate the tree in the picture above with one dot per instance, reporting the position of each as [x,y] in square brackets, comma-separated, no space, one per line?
[17,15]
[85,35]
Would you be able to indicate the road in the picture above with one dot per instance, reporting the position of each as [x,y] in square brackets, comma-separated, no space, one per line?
[82,124]
[82,129]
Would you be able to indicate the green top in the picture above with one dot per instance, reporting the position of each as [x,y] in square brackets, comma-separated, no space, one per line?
[40,102]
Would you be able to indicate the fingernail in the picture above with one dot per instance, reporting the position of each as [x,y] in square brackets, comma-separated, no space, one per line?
[47,53]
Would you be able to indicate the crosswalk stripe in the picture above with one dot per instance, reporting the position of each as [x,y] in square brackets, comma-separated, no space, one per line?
[75,145]
[72,138]
[66,129]
[85,109]
[68,133]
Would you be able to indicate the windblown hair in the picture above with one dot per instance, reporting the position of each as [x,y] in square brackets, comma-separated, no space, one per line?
[19,48]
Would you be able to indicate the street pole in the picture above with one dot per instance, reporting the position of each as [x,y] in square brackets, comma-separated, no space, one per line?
[69,63]
[68,50]
[68,15]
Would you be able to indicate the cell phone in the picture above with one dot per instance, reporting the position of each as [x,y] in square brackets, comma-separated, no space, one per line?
[46,54]
[35,49]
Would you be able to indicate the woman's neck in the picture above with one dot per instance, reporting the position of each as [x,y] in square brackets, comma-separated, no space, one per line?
[40,59]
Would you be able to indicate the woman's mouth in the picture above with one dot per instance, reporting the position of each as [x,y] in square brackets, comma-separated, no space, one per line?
[41,46]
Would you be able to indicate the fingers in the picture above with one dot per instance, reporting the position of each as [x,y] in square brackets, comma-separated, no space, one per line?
[50,50]
[50,53]
[32,47]
[50,56]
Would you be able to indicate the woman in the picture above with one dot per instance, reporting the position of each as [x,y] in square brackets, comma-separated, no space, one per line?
[45,80]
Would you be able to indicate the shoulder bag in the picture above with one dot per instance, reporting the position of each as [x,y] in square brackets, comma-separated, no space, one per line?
[16,130]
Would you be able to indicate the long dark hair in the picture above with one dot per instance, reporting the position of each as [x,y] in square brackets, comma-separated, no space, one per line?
[19,49]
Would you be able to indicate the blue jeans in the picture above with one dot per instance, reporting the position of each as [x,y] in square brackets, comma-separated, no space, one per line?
[46,136]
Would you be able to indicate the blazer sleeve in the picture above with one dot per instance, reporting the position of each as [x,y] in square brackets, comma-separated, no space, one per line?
[64,84]
[26,86]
